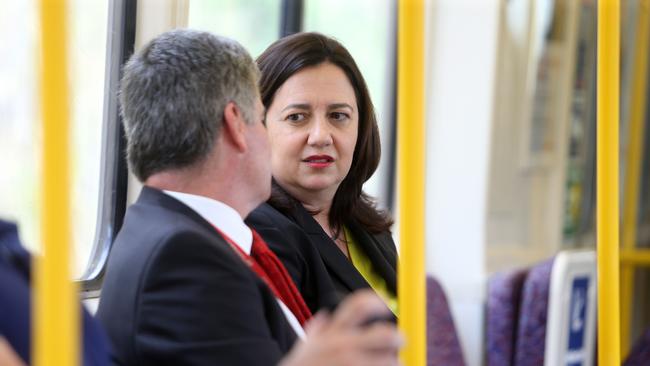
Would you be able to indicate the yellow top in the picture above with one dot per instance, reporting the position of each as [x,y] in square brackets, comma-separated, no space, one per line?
[364,266]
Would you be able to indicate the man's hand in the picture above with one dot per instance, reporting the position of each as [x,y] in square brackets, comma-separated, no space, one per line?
[342,339]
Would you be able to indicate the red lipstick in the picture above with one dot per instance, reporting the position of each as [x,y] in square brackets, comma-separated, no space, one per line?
[319,161]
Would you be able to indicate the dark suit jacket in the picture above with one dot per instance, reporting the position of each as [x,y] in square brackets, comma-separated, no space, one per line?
[15,300]
[175,293]
[379,248]
[299,256]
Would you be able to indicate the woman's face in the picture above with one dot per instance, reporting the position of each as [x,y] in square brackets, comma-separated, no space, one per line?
[312,125]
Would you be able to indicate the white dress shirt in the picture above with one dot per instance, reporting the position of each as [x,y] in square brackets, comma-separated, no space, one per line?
[228,221]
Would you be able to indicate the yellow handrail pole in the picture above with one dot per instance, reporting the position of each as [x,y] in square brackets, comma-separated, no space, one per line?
[56,307]
[411,136]
[607,105]
[633,169]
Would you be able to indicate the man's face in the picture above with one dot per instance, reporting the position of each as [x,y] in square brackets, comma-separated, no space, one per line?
[259,163]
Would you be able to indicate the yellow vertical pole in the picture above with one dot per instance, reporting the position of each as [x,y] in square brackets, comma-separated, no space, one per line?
[411,132]
[607,181]
[633,169]
[56,308]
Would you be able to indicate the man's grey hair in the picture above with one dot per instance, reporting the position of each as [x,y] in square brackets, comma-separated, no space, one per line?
[173,95]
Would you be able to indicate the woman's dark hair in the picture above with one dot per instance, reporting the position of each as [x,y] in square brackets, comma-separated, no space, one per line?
[278,63]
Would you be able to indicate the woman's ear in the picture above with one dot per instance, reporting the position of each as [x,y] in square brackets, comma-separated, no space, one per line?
[234,126]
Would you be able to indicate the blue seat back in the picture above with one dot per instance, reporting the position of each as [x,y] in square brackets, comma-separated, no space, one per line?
[443,347]
[531,330]
[502,317]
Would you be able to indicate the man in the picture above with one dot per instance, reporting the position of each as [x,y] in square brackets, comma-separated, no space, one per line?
[15,302]
[183,283]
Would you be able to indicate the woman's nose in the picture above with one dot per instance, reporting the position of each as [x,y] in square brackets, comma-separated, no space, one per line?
[320,134]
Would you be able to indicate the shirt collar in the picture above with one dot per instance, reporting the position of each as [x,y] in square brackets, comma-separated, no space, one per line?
[221,216]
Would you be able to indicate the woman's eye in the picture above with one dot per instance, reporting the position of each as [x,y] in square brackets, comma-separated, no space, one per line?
[296,117]
[339,116]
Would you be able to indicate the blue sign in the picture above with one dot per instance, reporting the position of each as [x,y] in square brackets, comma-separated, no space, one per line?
[577,321]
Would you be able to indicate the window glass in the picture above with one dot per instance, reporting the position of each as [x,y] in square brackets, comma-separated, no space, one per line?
[253,23]
[373,53]
[20,129]
[88,25]
[20,136]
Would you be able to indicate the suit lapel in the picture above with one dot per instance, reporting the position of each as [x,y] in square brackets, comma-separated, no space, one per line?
[337,263]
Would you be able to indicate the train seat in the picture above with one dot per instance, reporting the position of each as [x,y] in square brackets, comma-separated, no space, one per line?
[443,346]
[531,327]
[640,354]
[503,300]
[557,323]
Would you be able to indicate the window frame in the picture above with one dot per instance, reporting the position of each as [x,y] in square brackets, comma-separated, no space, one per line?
[114,169]
[391,104]
[291,17]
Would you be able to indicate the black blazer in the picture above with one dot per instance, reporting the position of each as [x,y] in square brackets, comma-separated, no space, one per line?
[379,248]
[299,256]
[175,293]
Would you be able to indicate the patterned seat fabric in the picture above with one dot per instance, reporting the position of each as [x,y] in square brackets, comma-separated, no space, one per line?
[640,354]
[531,332]
[503,300]
[443,347]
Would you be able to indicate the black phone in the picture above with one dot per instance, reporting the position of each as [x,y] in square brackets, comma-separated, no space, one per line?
[333,302]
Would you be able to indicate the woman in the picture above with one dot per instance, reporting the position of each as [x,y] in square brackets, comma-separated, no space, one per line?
[324,146]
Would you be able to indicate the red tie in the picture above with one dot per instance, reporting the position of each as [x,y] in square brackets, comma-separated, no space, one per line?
[280,279]
[269,268]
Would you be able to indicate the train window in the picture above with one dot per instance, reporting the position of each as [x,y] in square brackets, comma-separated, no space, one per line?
[20,134]
[373,50]
[544,94]
[253,23]
[580,196]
